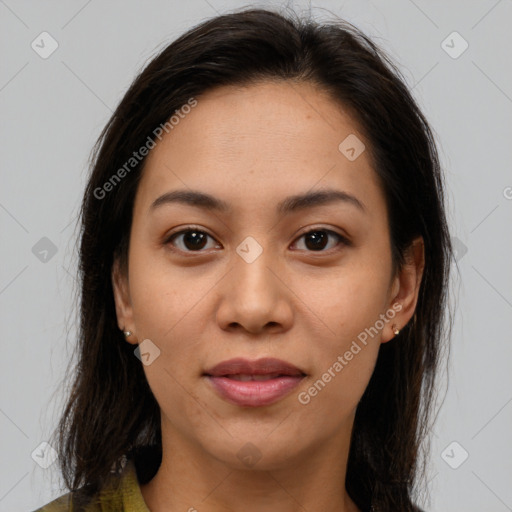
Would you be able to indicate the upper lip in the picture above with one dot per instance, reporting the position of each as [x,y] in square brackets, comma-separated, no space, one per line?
[263,366]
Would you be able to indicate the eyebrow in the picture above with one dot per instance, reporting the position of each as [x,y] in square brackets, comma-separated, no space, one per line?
[288,205]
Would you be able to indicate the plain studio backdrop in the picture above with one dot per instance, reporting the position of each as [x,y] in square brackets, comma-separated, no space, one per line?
[56,96]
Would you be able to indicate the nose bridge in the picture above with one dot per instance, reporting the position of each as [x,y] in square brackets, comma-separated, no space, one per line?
[253,263]
[255,297]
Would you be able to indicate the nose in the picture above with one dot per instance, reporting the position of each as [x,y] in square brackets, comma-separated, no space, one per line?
[254,297]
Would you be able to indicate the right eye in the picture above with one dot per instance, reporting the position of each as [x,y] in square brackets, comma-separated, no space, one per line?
[190,239]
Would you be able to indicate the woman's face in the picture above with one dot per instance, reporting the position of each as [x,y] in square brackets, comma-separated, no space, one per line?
[248,281]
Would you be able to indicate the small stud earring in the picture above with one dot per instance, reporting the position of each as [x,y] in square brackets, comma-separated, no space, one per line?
[396,330]
[127,333]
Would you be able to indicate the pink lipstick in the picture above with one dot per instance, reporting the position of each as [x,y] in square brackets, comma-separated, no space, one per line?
[254,383]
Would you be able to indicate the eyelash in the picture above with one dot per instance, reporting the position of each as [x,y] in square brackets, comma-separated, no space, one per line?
[341,239]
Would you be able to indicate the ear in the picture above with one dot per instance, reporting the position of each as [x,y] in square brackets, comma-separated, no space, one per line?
[405,288]
[124,310]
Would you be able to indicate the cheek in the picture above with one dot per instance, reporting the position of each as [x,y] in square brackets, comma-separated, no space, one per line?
[165,298]
[345,301]
[168,310]
[350,304]
[331,398]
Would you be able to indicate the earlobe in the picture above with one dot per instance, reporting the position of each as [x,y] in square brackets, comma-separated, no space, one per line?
[407,286]
[124,311]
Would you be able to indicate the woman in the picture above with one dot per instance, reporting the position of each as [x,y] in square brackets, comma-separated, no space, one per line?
[264,265]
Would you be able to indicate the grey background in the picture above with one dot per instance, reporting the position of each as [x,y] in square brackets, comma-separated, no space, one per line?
[53,109]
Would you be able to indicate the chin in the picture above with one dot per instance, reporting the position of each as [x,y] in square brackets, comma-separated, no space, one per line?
[256,452]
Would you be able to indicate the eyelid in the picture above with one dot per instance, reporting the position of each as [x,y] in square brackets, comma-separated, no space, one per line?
[184,229]
[343,239]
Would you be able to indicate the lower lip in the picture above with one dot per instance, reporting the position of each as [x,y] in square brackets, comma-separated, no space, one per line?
[254,393]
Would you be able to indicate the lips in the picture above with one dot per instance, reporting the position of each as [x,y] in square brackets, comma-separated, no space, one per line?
[264,366]
[254,383]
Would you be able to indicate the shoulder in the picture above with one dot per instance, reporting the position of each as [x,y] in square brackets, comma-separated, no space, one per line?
[122,492]
[83,500]
[74,502]
[61,504]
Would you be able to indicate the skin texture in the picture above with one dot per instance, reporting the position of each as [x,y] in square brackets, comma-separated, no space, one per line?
[252,147]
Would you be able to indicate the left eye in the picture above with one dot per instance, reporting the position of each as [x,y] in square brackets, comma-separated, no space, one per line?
[318,239]
[193,240]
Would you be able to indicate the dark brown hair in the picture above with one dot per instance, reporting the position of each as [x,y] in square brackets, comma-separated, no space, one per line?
[111,411]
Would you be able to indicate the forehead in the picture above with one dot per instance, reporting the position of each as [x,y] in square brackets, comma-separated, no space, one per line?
[259,141]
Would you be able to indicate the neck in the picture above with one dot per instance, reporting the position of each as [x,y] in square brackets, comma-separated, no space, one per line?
[189,479]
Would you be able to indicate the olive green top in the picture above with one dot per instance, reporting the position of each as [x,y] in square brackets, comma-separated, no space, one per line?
[126,497]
